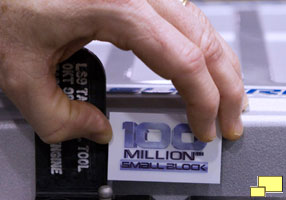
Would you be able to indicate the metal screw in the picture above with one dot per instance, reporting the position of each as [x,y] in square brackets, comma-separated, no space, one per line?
[105,192]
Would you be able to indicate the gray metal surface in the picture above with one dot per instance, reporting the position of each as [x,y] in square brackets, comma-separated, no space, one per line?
[255,154]
[261,151]
[17,160]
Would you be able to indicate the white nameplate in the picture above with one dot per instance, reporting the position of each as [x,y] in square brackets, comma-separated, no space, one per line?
[160,148]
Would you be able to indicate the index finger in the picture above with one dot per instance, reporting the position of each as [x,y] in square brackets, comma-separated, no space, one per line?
[173,56]
[219,61]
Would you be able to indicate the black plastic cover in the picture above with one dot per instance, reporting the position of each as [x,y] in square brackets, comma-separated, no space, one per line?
[74,169]
[131,197]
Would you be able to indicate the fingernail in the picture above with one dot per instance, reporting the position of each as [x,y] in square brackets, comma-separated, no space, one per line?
[206,139]
[103,137]
[210,136]
[245,103]
[238,130]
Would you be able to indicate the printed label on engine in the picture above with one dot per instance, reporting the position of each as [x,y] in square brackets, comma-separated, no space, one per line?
[160,148]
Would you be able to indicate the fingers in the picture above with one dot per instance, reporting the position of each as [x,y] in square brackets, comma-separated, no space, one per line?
[173,56]
[235,63]
[174,41]
[191,22]
[201,97]
[53,116]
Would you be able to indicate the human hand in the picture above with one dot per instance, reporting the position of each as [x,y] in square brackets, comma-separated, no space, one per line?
[176,42]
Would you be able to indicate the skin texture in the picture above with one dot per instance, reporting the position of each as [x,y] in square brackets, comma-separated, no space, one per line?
[176,42]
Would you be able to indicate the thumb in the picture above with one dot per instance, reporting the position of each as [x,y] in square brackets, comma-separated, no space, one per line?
[50,112]
[64,120]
